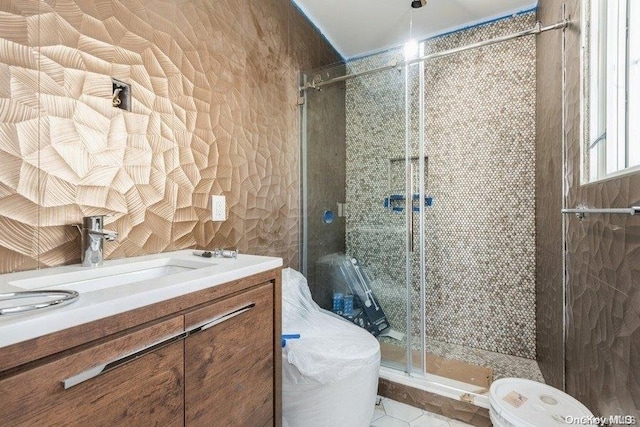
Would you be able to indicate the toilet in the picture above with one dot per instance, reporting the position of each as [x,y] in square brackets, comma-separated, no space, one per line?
[517,402]
[330,373]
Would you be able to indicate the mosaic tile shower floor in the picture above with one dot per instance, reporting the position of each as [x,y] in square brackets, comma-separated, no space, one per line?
[503,365]
[389,413]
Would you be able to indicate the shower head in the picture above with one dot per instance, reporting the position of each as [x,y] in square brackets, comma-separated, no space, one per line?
[416,4]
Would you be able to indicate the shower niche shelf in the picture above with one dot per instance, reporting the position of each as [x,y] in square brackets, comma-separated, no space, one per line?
[398,168]
[397,202]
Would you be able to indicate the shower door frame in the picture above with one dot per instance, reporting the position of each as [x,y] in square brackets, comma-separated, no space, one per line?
[414,255]
[421,59]
[410,227]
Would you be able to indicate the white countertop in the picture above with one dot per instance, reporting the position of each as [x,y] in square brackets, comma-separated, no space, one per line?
[109,300]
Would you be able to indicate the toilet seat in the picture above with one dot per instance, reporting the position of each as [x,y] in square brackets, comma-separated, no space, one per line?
[518,402]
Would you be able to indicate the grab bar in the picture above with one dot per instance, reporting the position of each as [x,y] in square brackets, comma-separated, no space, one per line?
[581,211]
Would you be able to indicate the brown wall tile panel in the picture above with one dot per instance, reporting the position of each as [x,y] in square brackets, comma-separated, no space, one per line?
[214,88]
[603,262]
[326,186]
[549,269]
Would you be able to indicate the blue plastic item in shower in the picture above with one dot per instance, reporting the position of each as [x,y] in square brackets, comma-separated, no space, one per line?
[286,337]
[395,202]
[328,216]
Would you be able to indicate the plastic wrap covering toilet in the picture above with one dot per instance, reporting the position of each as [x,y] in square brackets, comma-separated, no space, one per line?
[329,374]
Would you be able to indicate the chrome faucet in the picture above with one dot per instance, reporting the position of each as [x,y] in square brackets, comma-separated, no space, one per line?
[93,236]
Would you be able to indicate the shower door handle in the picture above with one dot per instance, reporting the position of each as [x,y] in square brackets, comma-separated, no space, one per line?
[409,204]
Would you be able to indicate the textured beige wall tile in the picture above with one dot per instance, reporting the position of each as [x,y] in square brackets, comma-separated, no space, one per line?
[213,111]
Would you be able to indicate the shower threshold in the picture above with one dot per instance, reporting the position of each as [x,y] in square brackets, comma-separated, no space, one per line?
[454,373]
[473,365]
[442,366]
[452,389]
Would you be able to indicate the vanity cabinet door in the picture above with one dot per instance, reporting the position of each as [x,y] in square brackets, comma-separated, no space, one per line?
[229,363]
[100,386]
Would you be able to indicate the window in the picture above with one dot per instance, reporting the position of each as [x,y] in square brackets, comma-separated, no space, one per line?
[611,87]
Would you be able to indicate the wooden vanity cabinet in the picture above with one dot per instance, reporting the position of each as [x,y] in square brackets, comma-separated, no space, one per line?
[210,358]
[231,363]
[145,391]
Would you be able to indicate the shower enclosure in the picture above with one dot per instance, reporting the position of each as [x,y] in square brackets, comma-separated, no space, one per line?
[423,170]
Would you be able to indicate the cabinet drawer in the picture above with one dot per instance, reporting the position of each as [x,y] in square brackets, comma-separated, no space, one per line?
[144,390]
[232,362]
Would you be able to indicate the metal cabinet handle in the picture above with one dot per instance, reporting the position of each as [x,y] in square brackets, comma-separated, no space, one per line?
[106,367]
[222,318]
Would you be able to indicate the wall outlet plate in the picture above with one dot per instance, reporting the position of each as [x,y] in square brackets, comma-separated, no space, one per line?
[218,208]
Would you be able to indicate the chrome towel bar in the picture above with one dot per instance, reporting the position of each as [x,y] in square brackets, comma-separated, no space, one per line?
[581,211]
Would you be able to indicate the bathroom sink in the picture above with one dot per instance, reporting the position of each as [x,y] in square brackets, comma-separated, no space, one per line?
[118,286]
[94,279]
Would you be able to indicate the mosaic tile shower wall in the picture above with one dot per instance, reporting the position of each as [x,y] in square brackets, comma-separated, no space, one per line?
[480,144]
[213,111]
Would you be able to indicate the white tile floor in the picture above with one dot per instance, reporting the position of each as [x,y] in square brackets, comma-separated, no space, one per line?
[390,413]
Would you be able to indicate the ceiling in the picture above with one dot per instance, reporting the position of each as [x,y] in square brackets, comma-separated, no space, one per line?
[360,27]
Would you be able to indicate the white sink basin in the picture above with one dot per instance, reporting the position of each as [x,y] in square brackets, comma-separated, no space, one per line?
[94,279]
[120,285]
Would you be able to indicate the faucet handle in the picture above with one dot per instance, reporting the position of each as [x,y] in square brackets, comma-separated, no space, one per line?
[109,236]
[94,222]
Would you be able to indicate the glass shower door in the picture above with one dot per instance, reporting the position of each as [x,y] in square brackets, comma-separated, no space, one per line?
[385,163]
[379,206]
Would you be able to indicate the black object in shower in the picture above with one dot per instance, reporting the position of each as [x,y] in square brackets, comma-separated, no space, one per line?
[345,275]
